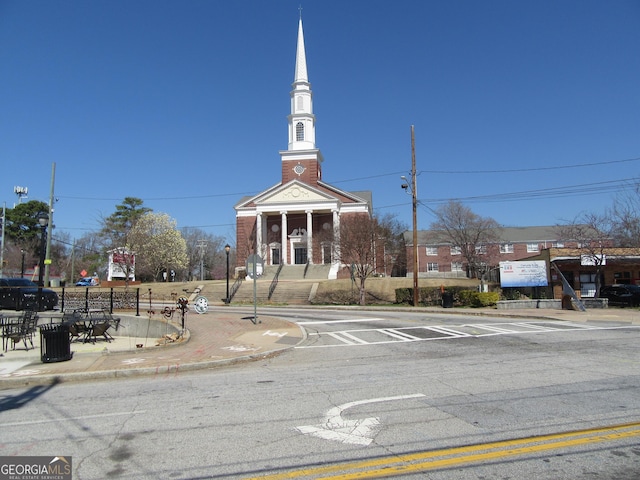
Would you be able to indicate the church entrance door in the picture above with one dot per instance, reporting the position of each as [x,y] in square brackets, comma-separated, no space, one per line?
[300,255]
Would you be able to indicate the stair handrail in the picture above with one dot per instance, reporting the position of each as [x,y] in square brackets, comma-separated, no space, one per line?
[274,282]
[306,267]
[234,288]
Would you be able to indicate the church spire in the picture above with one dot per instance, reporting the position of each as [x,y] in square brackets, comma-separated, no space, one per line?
[302,134]
[301,58]
[301,160]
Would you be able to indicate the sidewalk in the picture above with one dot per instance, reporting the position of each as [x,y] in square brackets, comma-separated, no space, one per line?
[212,339]
[223,337]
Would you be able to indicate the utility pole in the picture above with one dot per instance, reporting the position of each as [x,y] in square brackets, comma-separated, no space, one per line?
[202,244]
[413,187]
[47,261]
[414,191]
[4,224]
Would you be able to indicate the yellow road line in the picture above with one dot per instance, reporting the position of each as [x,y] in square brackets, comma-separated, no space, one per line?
[415,462]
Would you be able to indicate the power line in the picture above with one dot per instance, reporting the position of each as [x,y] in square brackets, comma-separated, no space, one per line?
[555,192]
[536,169]
[502,170]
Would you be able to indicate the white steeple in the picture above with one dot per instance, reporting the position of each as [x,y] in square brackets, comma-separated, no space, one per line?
[302,130]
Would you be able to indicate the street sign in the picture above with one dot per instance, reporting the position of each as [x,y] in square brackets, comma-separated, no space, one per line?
[255,266]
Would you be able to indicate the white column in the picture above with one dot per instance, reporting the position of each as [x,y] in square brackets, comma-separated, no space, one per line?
[283,252]
[259,234]
[336,236]
[309,236]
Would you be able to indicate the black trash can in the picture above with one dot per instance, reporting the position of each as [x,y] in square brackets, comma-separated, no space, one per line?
[447,300]
[55,343]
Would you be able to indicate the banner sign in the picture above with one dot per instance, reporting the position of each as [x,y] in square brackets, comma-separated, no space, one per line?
[523,274]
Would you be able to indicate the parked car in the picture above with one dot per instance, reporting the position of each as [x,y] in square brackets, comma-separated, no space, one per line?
[88,282]
[625,295]
[22,293]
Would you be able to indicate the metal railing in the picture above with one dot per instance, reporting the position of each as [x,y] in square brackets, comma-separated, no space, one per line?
[306,267]
[234,288]
[274,282]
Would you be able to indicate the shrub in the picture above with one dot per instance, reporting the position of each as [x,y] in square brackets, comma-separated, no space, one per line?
[471,298]
[432,296]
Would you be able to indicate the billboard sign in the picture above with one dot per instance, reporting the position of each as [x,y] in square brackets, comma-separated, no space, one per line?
[523,274]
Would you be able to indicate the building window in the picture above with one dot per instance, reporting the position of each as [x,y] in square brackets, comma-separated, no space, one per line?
[557,245]
[481,249]
[456,266]
[455,250]
[532,247]
[432,267]
[587,284]
[299,132]
[326,253]
[622,277]
[432,251]
[506,248]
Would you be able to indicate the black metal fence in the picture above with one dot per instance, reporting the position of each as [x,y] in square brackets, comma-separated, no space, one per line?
[110,299]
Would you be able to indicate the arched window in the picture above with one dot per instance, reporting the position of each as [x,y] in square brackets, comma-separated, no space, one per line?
[299,132]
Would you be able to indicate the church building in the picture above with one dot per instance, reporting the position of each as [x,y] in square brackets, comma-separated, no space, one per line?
[297,221]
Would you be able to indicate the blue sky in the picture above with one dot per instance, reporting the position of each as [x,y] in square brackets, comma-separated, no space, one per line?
[526,111]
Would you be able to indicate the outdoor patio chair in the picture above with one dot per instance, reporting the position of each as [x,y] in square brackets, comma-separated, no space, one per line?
[99,329]
[76,323]
[22,329]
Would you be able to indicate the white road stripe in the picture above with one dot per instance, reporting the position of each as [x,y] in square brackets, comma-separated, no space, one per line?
[349,338]
[66,419]
[398,334]
[493,328]
[353,320]
[450,331]
[346,337]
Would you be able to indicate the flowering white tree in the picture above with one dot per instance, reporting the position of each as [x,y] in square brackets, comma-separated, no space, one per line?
[159,245]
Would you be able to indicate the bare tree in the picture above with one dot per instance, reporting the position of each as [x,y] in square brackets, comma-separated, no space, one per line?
[475,236]
[206,251]
[625,215]
[362,244]
[394,250]
[593,234]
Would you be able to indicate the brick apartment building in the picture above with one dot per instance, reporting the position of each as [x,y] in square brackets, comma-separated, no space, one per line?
[438,258]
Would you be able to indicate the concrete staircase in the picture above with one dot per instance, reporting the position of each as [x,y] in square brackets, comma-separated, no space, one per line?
[295,284]
[287,292]
[293,292]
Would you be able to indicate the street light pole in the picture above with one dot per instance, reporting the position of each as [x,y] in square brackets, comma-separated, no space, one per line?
[22,265]
[43,220]
[227,247]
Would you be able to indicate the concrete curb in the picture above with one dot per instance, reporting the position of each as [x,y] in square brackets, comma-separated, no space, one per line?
[165,370]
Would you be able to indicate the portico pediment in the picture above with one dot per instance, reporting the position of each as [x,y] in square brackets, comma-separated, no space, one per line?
[294,192]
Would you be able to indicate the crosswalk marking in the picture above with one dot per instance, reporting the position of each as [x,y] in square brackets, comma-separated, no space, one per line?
[392,332]
[349,320]
[347,338]
[379,336]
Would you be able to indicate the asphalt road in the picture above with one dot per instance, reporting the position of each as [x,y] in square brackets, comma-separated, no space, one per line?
[367,396]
